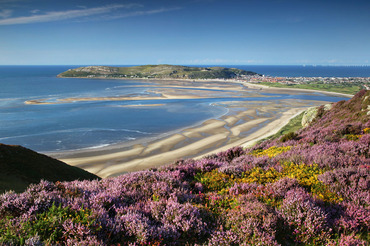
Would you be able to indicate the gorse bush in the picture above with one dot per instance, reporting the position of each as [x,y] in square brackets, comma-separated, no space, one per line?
[272,151]
[311,189]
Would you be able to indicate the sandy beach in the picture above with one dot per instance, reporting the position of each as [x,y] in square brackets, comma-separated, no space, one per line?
[245,123]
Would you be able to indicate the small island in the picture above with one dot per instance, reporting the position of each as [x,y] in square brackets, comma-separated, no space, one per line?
[156,72]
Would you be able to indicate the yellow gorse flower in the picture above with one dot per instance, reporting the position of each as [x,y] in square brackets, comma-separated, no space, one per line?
[272,151]
[353,137]
[307,176]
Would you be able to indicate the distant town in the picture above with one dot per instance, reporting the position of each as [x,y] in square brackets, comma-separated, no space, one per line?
[299,80]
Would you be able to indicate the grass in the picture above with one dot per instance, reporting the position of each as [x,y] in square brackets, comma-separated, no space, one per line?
[293,125]
[345,88]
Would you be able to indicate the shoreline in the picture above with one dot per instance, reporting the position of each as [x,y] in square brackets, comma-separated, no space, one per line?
[163,92]
[244,123]
[262,133]
[249,84]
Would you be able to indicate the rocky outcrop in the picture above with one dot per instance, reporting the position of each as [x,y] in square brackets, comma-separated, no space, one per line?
[311,113]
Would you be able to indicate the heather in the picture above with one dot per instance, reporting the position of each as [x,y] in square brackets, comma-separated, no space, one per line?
[308,188]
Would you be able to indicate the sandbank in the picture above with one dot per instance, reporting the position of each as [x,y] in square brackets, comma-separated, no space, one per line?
[166,90]
[245,122]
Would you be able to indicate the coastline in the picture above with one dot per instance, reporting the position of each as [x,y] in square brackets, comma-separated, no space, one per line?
[245,123]
[235,81]
[171,89]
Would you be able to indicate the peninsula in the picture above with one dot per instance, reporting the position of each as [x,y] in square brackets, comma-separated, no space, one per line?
[157,72]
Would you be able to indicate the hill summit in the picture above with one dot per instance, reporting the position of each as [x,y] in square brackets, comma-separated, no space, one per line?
[156,72]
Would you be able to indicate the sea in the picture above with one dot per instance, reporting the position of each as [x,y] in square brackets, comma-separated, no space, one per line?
[94,124]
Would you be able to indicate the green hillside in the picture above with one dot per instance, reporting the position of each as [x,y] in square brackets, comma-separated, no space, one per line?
[156,71]
[21,167]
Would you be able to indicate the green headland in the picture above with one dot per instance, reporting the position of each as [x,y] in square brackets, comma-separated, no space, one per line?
[157,72]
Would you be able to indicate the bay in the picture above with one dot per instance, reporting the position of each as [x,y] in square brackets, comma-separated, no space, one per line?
[91,124]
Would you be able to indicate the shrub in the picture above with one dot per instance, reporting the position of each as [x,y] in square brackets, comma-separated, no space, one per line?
[306,219]
[289,136]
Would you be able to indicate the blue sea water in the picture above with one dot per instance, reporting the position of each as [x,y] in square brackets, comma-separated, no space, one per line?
[82,125]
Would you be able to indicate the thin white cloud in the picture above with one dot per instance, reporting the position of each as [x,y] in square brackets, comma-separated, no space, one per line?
[35,11]
[144,12]
[64,15]
[5,13]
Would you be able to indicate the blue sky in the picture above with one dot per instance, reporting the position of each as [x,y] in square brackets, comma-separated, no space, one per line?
[192,32]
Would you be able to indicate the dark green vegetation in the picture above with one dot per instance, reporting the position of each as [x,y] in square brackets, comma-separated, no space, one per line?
[157,72]
[347,88]
[20,167]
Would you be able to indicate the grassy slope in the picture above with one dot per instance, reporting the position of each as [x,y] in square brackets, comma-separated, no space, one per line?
[293,125]
[20,167]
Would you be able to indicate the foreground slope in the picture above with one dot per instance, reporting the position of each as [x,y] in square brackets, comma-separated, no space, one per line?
[20,167]
[157,72]
[305,188]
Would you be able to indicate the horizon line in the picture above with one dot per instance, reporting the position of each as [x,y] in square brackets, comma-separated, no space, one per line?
[303,65]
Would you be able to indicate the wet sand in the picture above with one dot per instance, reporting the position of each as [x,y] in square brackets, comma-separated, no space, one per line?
[165,90]
[245,123]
